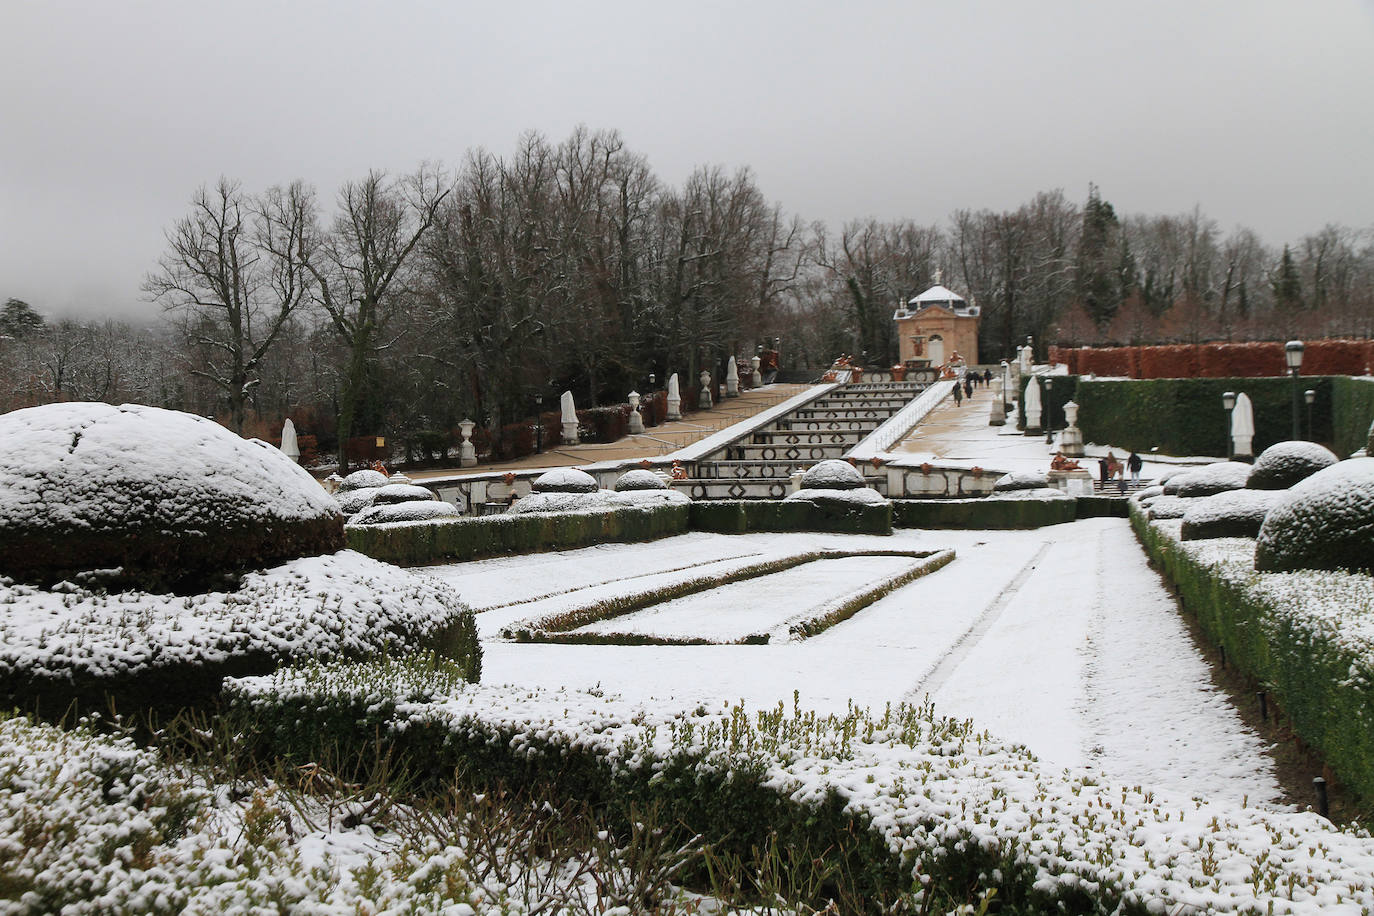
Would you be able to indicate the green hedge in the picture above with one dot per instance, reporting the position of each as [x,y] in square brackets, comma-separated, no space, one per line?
[984,512]
[1181,416]
[1101,507]
[1352,410]
[414,543]
[743,515]
[1321,682]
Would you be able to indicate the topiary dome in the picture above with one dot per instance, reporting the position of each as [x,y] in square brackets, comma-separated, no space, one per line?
[565,480]
[363,480]
[1323,522]
[832,474]
[1232,514]
[150,497]
[1212,478]
[1285,463]
[639,479]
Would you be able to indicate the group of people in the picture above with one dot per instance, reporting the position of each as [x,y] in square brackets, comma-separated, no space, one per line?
[1110,468]
[971,380]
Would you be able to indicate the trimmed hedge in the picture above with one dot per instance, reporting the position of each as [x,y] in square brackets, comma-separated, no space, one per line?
[1101,507]
[471,538]
[1184,416]
[1323,685]
[982,513]
[744,515]
[1352,409]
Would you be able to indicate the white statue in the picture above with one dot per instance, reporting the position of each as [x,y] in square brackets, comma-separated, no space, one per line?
[674,399]
[569,418]
[1243,426]
[732,379]
[289,446]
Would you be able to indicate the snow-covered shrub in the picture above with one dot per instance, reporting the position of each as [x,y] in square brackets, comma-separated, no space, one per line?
[887,795]
[862,496]
[162,651]
[1324,522]
[355,501]
[1211,478]
[832,474]
[1030,493]
[150,497]
[1232,514]
[365,479]
[1147,493]
[1022,480]
[727,516]
[414,511]
[565,480]
[597,499]
[402,493]
[1166,506]
[999,511]
[639,479]
[1285,463]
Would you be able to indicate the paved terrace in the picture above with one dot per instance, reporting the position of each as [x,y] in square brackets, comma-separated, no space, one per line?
[656,441]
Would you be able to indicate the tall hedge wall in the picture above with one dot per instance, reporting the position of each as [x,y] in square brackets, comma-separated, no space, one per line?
[740,516]
[982,513]
[1352,409]
[1185,416]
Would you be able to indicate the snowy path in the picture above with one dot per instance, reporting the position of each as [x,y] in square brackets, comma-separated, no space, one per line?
[1061,638]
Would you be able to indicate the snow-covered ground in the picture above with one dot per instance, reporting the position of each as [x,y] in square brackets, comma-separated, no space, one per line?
[1060,638]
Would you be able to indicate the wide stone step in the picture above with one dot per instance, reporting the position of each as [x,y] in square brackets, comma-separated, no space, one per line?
[808,437]
[847,403]
[783,452]
[846,413]
[715,470]
[864,426]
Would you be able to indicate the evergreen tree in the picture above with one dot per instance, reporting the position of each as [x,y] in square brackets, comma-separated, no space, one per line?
[18,319]
[1098,281]
[1287,283]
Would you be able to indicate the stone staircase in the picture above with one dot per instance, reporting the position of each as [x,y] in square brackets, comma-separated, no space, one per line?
[760,465]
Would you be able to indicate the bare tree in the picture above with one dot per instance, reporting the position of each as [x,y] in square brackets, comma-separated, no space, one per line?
[234,272]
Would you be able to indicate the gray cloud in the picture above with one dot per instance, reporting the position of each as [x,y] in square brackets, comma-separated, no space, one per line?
[114,113]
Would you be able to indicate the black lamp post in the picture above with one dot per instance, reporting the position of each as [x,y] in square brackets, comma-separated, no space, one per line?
[1309,396]
[538,423]
[1228,400]
[1292,354]
[1049,425]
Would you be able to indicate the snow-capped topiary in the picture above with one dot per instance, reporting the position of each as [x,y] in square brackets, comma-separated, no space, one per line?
[1021,480]
[1168,507]
[832,474]
[364,479]
[601,499]
[1030,493]
[565,480]
[1212,478]
[1231,514]
[1323,522]
[1285,463]
[856,496]
[1147,493]
[412,511]
[355,501]
[65,643]
[149,497]
[402,493]
[640,479]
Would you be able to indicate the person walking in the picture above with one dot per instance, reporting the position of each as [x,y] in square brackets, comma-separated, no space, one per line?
[1135,463]
[958,394]
[968,385]
[1102,469]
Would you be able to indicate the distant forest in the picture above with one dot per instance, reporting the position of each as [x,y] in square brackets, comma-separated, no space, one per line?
[406,303]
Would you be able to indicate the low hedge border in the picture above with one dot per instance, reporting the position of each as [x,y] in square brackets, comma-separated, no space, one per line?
[1307,637]
[744,515]
[557,627]
[912,812]
[984,512]
[472,538]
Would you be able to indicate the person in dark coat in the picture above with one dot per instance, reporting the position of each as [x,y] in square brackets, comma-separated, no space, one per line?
[958,395]
[1135,463]
[968,385]
[987,377]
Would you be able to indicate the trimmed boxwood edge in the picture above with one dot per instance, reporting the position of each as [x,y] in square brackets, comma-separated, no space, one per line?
[557,627]
[740,516]
[982,513]
[1304,670]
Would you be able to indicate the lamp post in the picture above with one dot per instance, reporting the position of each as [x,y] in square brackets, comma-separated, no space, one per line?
[1309,396]
[1006,385]
[1292,354]
[538,423]
[1228,400]
[1049,422]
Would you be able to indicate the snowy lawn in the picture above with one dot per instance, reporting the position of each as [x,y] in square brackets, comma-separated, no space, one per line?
[1061,638]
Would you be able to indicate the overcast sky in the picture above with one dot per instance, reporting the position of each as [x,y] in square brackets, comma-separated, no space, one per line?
[112,114]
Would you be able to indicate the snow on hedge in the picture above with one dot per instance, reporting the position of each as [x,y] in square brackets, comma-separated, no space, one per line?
[640,479]
[597,499]
[401,493]
[565,480]
[86,486]
[413,511]
[1049,493]
[865,496]
[1022,480]
[363,480]
[1283,464]
[928,787]
[316,607]
[355,501]
[1230,514]
[1323,522]
[1166,506]
[832,474]
[95,825]
[1213,478]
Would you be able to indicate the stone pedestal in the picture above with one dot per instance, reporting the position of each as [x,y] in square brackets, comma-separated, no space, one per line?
[1071,442]
[467,455]
[674,399]
[1075,483]
[998,414]
[706,399]
[1244,450]
[757,378]
[636,419]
